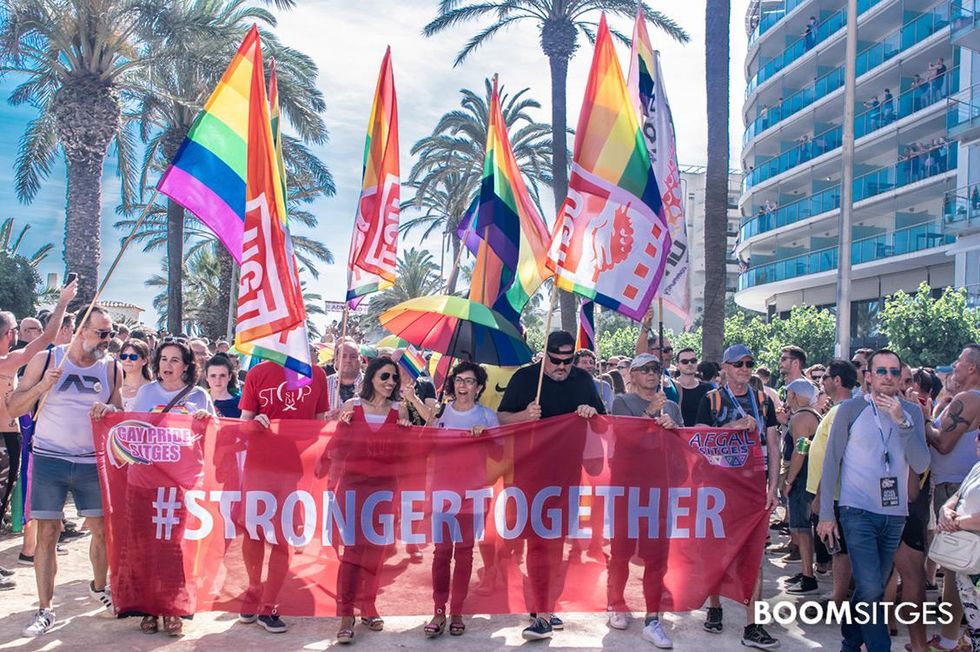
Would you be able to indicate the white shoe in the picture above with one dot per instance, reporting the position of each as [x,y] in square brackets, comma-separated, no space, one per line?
[104,596]
[40,624]
[618,620]
[654,632]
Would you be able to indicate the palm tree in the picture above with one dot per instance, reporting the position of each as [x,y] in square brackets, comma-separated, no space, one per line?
[9,243]
[717,15]
[78,58]
[559,22]
[415,277]
[199,39]
[449,165]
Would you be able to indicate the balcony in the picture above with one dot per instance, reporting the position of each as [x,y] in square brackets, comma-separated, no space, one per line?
[771,18]
[963,115]
[868,185]
[866,250]
[966,29]
[876,117]
[910,34]
[961,211]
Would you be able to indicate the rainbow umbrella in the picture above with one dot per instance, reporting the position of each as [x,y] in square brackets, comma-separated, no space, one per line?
[391,342]
[458,327]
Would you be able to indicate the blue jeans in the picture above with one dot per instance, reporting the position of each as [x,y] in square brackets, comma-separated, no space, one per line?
[872,540]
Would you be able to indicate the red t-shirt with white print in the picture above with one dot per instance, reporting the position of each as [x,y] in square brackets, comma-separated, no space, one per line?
[266,392]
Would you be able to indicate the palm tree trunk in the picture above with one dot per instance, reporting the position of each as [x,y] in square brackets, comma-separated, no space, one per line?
[717,16]
[559,164]
[83,224]
[227,266]
[175,267]
[454,272]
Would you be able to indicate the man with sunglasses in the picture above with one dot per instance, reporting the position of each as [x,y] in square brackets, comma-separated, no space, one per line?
[565,389]
[80,382]
[873,442]
[689,386]
[736,405]
[860,362]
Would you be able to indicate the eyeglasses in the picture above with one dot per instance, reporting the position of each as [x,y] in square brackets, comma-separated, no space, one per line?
[465,380]
[170,339]
[129,356]
[385,375]
[688,361]
[651,369]
[666,349]
[857,363]
[743,363]
[884,371]
[561,362]
[816,378]
[104,333]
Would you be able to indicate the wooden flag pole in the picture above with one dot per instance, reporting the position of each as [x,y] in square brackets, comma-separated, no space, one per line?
[660,329]
[98,293]
[338,356]
[547,329]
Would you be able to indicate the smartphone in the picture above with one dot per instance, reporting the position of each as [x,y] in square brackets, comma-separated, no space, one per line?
[69,277]
[832,544]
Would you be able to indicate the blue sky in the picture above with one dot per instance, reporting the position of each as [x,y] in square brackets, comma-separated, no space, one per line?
[347,40]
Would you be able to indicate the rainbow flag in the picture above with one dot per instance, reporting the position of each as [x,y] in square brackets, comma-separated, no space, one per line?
[512,237]
[271,313]
[411,361]
[208,173]
[646,85]
[611,241]
[374,245]
[586,327]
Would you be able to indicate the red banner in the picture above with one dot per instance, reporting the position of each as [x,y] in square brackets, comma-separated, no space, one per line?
[314,518]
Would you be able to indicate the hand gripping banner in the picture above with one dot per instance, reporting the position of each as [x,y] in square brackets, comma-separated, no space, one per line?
[316,519]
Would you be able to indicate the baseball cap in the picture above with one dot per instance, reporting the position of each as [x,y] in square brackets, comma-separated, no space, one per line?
[804,388]
[735,353]
[643,360]
[558,339]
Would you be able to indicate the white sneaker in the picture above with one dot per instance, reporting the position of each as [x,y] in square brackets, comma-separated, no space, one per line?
[618,620]
[104,596]
[654,632]
[40,624]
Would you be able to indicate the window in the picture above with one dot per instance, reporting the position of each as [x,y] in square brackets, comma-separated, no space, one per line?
[864,318]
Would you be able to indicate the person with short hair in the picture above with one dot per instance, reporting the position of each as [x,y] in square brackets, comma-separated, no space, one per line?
[710,372]
[860,362]
[219,374]
[30,329]
[346,380]
[586,361]
[690,389]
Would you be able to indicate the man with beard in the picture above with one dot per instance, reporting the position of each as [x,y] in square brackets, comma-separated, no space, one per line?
[80,381]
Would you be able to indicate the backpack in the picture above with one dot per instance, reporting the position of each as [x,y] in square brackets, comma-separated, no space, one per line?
[717,399]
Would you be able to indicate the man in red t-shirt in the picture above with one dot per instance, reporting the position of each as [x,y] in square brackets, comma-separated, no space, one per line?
[267,396]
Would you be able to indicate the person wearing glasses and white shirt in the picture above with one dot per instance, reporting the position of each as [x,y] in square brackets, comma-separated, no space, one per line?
[81,382]
[873,442]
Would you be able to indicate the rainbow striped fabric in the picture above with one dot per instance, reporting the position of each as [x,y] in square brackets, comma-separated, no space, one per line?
[374,246]
[511,238]
[610,242]
[208,173]
[411,361]
[586,327]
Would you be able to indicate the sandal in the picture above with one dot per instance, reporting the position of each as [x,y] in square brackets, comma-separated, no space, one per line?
[433,629]
[374,623]
[150,625]
[173,625]
[345,635]
[457,627]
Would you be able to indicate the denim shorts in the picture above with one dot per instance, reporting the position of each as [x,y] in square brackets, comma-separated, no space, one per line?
[51,480]
[799,506]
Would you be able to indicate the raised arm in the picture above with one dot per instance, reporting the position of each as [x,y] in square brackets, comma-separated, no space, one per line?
[14,360]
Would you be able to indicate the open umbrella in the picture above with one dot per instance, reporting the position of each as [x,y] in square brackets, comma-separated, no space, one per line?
[391,342]
[458,327]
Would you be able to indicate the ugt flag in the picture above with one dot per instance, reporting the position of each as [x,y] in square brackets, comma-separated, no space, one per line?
[611,241]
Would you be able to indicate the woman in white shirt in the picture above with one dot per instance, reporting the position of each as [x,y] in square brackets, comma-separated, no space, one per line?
[135,359]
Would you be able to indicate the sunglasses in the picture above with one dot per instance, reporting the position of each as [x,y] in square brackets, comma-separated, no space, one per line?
[560,361]
[857,363]
[743,363]
[465,381]
[884,371]
[649,370]
[129,356]
[385,375]
[170,339]
[688,361]
[104,333]
[666,349]
[816,378]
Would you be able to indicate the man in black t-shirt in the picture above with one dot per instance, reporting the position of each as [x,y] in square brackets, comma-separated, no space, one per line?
[690,389]
[565,389]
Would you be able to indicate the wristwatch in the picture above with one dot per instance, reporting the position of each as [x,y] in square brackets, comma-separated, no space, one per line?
[904,423]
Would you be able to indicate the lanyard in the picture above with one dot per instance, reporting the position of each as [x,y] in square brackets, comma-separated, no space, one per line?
[755,409]
[881,433]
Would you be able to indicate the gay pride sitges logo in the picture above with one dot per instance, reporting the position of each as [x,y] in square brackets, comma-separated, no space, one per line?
[138,442]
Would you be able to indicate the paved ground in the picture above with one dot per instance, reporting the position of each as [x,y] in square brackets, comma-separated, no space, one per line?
[80,624]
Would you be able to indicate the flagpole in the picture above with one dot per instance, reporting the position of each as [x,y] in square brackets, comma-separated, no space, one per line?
[660,329]
[98,293]
[338,356]
[547,330]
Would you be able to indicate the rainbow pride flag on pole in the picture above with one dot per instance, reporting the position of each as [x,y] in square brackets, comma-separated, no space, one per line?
[646,85]
[610,242]
[586,326]
[208,173]
[512,238]
[374,245]
[271,313]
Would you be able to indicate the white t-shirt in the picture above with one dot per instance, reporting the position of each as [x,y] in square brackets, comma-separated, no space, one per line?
[153,398]
[478,415]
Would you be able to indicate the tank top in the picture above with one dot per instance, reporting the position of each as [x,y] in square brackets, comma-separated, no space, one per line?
[374,420]
[64,429]
[955,465]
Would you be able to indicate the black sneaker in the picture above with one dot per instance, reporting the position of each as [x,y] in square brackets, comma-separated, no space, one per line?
[792,555]
[796,579]
[5,572]
[713,622]
[756,636]
[539,629]
[273,623]
[68,535]
[556,623]
[25,560]
[806,586]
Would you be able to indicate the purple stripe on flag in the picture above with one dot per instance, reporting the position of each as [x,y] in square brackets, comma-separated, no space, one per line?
[199,199]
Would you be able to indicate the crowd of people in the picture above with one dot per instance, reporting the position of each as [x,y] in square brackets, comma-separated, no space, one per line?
[866,459]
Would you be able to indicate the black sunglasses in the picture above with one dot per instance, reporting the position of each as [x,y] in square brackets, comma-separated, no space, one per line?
[649,369]
[666,349]
[688,361]
[129,356]
[385,375]
[857,363]
[884,371]
[104,333]
[743,363]
[560,361]
[170,339]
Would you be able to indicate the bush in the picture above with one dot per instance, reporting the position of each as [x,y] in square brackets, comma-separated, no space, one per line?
[927,331]
[18,291]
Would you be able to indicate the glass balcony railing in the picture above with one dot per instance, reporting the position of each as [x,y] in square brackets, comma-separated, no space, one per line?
[910,170]
[877,247]
[874,118]
[961,208]
[911,33]
[964,110]
[772,17]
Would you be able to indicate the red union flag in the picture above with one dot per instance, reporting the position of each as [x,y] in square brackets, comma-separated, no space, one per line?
[186,499]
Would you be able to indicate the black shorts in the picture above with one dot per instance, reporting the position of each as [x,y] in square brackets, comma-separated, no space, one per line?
[914,535]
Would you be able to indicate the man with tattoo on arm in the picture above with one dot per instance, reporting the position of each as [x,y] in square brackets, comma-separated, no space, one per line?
[952,445]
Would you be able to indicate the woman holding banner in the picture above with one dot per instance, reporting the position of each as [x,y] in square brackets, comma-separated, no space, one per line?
[456,466]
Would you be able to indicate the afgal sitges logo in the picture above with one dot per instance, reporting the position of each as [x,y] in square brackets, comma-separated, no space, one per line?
[138,442]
